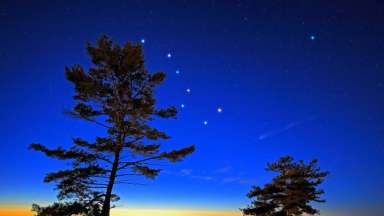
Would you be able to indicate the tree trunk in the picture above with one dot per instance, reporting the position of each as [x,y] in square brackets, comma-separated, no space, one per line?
[107,201]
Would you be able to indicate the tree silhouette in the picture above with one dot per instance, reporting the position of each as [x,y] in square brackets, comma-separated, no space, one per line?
[116,93]
[290,192]
[67,209]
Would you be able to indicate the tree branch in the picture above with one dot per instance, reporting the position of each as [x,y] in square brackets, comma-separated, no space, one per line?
[126,164]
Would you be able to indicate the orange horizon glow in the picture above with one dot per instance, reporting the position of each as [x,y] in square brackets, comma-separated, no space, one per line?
[26,211]
[22,210]
[15,211]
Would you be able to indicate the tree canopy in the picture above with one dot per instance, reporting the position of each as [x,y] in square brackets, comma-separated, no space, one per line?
[291,192]
[116,93]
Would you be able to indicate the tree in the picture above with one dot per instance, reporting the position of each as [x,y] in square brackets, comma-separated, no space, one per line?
[67,209]
[290,192]
[116,93]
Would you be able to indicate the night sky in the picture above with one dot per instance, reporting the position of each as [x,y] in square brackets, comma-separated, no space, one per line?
[253,81]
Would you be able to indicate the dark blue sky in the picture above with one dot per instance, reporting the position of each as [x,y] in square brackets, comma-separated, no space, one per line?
[303,78]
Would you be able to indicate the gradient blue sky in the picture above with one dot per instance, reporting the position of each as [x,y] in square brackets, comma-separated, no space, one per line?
[281,91]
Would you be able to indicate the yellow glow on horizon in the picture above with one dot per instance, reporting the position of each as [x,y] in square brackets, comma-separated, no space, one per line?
[167,212]
[13,211]
[26,211]
[22,210]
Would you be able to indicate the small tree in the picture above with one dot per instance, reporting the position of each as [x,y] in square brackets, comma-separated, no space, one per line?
[290,192]
[117,93]
[67,209]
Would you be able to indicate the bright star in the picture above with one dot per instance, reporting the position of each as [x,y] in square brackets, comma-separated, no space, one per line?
[182,105]
[205,122]
[219,110]
[177,71]
[169,55]
[312,37]
[188,90]
[142,41]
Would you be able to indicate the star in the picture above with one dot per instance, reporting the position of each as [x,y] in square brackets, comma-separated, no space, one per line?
[205,122]
[182,105]
[188,90]
[219,110]
[312,37]
[142,40]
[177,71]
[169,55]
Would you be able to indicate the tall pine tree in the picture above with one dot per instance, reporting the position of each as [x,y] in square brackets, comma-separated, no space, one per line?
[116,93]
[290,192]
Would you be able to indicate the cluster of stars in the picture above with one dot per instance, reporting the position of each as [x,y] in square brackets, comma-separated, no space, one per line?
[187,90]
